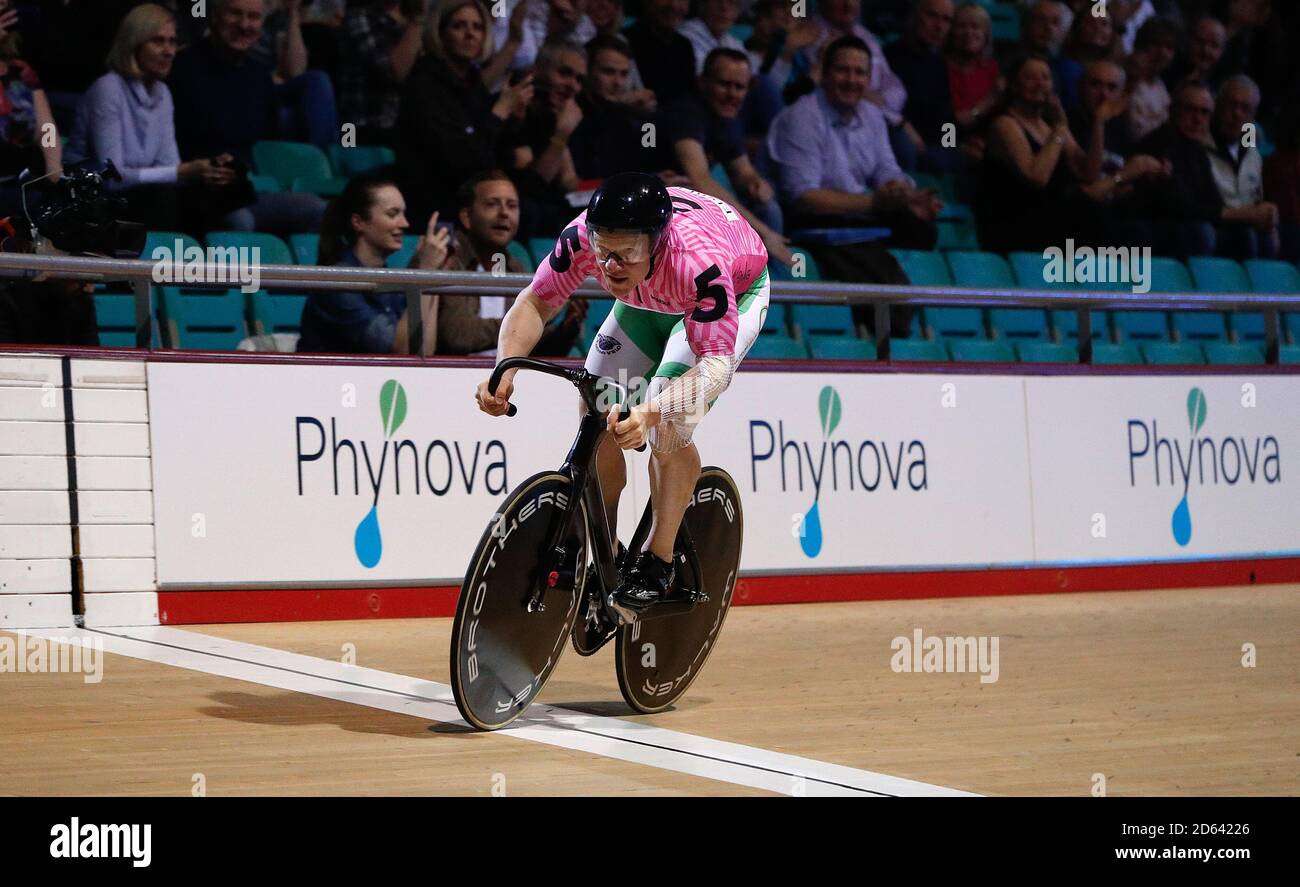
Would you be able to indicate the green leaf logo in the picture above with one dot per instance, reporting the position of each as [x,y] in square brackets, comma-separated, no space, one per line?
[1196,409]
[828,403]
[392,406]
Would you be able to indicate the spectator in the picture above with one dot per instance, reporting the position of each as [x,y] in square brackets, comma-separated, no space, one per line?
[711,29]
[551,20]
[305,98]
[225,103]
[918,61]
[362,227]
[1043,27]
[489,220]
[1149,100]
[1037,187]
[609,138]
[1193,207]
[840,18]
[126,118]
[1129,16]
[544,169]
[1238,173]
[832,150]
[1100,123]
[449,125]
[663,56]
[704,129]
[381,41]
[1207,43]
[773,22]
[1092,37]
[1282,181]
[28,138]
[974,79]
[607,16]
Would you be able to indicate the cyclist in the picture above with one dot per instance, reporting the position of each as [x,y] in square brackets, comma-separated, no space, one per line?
[689,277]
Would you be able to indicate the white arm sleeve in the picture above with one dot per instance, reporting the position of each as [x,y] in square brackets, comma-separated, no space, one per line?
[687,398]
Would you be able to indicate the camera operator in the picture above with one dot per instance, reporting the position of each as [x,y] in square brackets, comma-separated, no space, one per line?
[73,216]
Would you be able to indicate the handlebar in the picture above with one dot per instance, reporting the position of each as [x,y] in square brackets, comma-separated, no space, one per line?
[584,381]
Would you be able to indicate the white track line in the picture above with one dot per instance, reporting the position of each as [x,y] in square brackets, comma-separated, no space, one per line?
[563,728]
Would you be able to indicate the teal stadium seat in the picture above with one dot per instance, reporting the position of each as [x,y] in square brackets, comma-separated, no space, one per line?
[1271,276]
[541,248]
[979,270]
[1065,322]
[981,350]
[1215,275]
[909,350]
[348,162]
[957,228]
[1233,353]
[1170,276]
[831,347]
[265,184]
[210,320]
[520,252]
[272,250]
[835,319]
[115,319]
[325,186]
[949,323]
[1200,326]
[1107,354]
[1046,352]
[286,161]
[402,258]
[777,348]
[277,312]
[304,247]
[1291,323]
[923,268]
[777,321]
[1289,354]
[1172,353]
[1141,326]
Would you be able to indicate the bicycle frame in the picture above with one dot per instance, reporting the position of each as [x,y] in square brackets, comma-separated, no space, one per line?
[579,465]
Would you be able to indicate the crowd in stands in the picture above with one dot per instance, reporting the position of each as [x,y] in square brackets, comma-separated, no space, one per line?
[1145,125]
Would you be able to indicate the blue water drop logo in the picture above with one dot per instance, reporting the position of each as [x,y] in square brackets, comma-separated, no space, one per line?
[810,540]
[1182,522]
[368,541]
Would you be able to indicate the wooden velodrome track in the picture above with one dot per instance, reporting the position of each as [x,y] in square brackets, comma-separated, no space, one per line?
[1147,688]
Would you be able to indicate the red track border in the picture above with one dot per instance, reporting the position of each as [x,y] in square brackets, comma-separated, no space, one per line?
[305,605]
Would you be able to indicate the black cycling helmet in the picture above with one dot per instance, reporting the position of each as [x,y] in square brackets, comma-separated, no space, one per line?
[631,201]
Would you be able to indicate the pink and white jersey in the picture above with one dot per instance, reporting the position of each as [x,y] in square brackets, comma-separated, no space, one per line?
[708,257]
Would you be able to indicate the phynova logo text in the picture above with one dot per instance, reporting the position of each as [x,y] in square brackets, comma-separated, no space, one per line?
[437,467]
[1236,459]
[869,464]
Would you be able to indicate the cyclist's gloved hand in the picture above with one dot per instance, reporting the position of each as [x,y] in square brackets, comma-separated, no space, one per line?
[633,432]
[498,405]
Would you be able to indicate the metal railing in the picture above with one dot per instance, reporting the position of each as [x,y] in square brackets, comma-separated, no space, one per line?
[139,273]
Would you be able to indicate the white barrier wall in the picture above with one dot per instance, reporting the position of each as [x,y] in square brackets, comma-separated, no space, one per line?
[35,530]
[289,474]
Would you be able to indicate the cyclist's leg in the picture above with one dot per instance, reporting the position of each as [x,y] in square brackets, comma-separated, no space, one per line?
[627,348]
[674,459]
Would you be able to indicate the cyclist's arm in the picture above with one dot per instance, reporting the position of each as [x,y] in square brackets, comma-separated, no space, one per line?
[522,327]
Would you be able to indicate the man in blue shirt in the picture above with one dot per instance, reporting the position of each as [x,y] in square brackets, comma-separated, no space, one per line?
[836,165]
